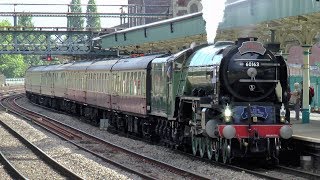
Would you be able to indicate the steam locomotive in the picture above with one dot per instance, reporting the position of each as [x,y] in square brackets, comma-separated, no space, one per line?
[221,101]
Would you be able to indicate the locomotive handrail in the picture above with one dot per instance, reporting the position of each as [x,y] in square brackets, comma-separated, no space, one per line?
[257,80]
[251,59]
[270,64]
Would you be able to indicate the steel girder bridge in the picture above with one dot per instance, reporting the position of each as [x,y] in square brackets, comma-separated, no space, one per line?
[48,42]
[63,40]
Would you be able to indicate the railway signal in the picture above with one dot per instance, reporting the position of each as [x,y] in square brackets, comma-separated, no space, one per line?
[49,58]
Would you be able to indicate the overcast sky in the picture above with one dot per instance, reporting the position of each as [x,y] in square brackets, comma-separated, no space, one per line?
[60,21]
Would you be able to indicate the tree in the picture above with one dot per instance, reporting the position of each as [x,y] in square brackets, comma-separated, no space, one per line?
[12,65]
[93,20]
[8,38]
[25,21]
[30,60]
[74,20]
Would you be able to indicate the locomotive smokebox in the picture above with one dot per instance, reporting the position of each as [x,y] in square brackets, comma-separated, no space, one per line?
[244,39]
[274,47]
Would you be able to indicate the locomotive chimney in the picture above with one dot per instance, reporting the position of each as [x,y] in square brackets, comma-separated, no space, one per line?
[244,39]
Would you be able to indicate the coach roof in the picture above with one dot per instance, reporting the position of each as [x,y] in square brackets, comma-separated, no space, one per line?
[79,66]
[102,65]
[134,63]
[36,68]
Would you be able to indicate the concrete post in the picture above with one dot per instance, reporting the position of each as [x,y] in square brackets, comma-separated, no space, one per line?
[306,84]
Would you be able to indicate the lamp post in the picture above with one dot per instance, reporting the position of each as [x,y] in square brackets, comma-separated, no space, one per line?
[306,84]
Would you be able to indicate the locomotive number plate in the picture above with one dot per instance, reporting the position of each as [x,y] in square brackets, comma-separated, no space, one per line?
[251,64]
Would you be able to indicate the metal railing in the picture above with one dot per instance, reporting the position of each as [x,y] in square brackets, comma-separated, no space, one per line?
[14,81]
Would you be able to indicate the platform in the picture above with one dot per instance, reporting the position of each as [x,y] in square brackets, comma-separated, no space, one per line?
[306,132]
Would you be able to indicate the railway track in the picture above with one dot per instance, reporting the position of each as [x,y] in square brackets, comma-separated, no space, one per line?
[299,173]
[11,170]
[17,166]
[276,172]
[107,151]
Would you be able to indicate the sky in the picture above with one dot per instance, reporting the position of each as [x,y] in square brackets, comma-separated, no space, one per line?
[60,21]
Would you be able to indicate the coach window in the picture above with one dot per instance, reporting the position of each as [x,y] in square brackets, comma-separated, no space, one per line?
[75,74]
[120,83]
[114,78]
[69,81]
[104,87]
[94,82]
[76,78]
[124,79]
[101,82]
[107,85]
[139,83]
[98,82]
[73,80]
[128,83]
[134,83]
[89,81]
[143,83]
[79,80]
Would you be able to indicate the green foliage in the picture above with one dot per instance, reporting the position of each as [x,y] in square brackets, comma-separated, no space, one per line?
[5,23]
[12,66]
[15,65]
[25,21]
[30,60]
[75,21]
[93,20]
[8,38]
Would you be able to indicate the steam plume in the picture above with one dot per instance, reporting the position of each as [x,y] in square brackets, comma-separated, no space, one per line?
[213,11]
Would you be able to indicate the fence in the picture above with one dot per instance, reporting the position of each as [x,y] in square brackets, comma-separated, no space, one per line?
[14,81]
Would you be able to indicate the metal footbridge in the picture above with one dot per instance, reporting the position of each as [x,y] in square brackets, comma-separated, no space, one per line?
[286,21]
[56,40]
